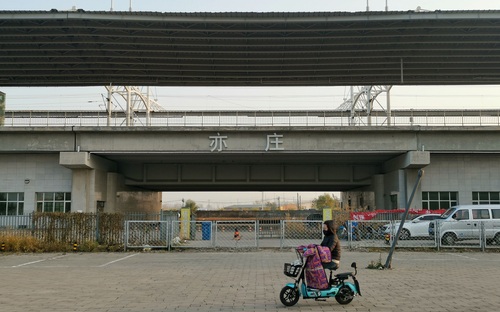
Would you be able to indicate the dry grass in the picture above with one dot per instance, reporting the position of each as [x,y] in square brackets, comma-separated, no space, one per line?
[13,243]
[26,244]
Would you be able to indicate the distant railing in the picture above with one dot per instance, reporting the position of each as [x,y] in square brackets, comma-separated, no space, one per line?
[332,118]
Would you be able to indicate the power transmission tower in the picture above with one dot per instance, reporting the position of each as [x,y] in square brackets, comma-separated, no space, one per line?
[135,100]
[361,101]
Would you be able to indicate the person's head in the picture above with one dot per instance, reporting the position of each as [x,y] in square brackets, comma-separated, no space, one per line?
[329,226]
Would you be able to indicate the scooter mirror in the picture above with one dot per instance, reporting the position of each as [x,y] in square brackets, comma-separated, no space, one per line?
[353,265]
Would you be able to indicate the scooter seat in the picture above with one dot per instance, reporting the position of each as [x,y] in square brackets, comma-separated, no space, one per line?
[343,276]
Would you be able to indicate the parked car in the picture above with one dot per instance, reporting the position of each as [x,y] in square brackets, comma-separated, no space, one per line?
[464,223]
[417,227]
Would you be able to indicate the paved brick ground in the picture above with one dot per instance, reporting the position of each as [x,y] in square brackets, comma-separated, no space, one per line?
[239,281]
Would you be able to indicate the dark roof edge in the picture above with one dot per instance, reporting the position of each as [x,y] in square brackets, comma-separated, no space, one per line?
[251,17]
[255,14]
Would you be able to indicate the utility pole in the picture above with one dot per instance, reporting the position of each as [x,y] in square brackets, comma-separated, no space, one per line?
[261,200]
[388,263]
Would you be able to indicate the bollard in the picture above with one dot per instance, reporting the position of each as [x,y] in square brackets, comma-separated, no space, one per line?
[3,246]
[75,246]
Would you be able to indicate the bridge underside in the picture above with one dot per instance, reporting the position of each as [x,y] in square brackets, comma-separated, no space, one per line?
[248,49]
[249,172]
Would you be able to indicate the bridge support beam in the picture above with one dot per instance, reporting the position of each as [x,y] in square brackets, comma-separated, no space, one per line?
[97,187]
[409,160]
[89,180]
[398,171]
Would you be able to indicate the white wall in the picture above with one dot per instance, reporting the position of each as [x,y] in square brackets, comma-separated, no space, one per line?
[462,173]
[43,171]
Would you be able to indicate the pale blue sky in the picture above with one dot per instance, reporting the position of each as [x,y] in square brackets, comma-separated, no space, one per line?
[245,5]
[174,98]
[252,98]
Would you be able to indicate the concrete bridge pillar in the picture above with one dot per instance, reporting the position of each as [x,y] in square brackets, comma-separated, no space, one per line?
[378,189]
[81,195]
[98,187]
[89,183]
[400,176]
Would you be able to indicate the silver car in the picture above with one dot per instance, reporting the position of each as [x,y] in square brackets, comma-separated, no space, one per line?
[417,227]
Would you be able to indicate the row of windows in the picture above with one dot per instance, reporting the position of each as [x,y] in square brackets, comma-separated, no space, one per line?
[439,200]
[445,200]
[485,198]
[53,202]
[12,204]
[479,214]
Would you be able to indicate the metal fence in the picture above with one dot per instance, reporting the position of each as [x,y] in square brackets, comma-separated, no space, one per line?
[482,235]
[300,232]
[146,234]
[172,233]
[256,118]
[365,234]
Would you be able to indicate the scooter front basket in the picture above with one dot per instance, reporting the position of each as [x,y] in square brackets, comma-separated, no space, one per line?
[291,270]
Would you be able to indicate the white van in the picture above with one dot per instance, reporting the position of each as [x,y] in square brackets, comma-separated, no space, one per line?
[464,222]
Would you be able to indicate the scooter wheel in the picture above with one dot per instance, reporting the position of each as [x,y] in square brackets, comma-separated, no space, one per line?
[345,295]
[289,296]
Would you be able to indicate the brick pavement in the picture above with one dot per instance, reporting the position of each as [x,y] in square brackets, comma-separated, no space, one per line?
[239,281]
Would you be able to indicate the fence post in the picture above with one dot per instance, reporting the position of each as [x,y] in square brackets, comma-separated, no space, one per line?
[349,233]
[216,232]
[125,239]
[282,233]
[437,234]
[213,228]
[97,233]
[482,239]
[257,225]
[170,235]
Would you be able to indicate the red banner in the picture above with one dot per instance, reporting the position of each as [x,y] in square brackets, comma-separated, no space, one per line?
[369,215]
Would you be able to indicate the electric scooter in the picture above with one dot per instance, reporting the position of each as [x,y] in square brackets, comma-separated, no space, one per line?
[339,288]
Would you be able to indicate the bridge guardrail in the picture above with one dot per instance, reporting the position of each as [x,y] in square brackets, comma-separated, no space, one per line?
[427,118]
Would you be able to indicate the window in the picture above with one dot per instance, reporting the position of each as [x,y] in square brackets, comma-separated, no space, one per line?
[439,200]
[480,214]
[429,218]
[53,202]
[495,213]
[485,198]
[462,215]
[11,204]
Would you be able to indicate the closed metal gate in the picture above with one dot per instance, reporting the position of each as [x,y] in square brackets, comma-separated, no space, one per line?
[147,234]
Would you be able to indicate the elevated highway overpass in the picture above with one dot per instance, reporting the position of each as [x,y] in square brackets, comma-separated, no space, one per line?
[80,48]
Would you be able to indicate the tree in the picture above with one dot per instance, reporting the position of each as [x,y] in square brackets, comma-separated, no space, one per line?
[325,201]
[191,204]
[271,206]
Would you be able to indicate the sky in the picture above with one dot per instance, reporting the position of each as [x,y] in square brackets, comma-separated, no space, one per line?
[240,98]
[204,98]
[245,5]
